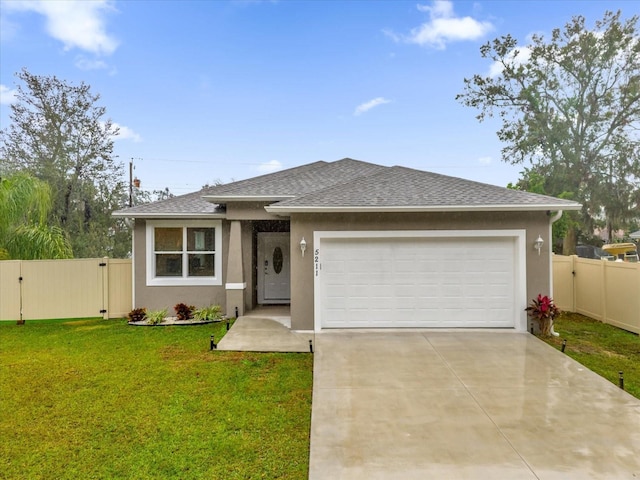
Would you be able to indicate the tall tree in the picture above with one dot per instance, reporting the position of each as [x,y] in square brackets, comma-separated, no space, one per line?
[59,134]
[532,181]
[570,105]
[24,234]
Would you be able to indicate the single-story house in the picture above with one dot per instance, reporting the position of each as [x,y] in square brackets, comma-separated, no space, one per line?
[350,244]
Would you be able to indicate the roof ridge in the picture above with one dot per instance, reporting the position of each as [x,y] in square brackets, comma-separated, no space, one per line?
[294,182]
[346,181]
[260,178]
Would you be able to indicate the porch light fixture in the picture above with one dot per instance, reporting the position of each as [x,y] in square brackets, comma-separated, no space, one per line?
[538,244]
[303,245]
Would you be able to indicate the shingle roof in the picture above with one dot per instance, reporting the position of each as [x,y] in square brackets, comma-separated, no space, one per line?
[401,187]
[352,185]
[191,204]
[296,181]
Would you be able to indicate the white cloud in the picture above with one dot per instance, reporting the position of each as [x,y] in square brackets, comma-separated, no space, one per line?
[484,160]
[126,133]
[440,8]
[84,63]
[516,57]
[443,27]
[7,95]
[76,23]
[365,107]
[8,29]
[270,166]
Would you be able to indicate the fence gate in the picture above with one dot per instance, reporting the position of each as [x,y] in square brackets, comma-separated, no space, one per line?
[10,273]
[606,291]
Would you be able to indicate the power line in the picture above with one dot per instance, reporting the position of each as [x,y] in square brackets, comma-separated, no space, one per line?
[210,162]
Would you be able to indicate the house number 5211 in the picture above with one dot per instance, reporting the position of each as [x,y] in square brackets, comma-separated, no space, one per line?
[316,260]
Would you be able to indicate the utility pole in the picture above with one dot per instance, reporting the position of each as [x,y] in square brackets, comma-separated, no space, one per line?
[131,180]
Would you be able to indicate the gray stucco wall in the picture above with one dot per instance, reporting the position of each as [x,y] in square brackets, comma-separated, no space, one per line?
[247,263]
[304,225]
[249,211]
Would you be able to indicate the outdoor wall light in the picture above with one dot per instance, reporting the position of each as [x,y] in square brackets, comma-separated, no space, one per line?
[538,244]
[303,245]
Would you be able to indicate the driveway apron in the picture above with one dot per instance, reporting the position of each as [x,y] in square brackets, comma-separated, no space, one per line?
[464,405]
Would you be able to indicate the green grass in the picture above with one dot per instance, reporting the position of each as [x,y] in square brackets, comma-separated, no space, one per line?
[101,399]
[603,348]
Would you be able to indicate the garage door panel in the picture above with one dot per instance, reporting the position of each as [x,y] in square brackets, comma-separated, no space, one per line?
[335,292]
[415,291]
[429,282]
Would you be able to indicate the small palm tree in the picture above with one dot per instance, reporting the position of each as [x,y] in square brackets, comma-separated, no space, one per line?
[25,203]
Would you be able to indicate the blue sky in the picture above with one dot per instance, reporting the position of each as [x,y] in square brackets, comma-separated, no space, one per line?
[226,90]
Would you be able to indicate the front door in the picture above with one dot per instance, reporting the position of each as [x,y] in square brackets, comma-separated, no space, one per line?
[274,272]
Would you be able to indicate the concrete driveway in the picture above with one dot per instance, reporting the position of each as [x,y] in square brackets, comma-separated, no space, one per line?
[464,405]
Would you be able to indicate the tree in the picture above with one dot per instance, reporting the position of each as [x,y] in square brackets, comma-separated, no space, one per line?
[571,107]
[58,134]
[534,182]
[141,196]
[24,234]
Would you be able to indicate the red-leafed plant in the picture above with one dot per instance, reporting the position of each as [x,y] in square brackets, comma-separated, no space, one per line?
[137,314]
[184,311]
[544,311]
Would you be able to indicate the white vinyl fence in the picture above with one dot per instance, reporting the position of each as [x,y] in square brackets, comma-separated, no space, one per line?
[101,287]
[78,288]
[606,291]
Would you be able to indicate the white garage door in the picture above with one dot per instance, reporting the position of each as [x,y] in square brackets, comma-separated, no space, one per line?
[417,282]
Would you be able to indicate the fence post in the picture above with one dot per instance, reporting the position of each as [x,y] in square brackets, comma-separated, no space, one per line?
[605,291]
[573,282]
[637,319]
[105,288]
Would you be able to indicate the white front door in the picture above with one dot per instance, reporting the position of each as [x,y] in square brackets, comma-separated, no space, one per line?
[274,272]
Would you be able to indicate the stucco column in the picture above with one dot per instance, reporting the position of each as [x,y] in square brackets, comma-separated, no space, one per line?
[236,285]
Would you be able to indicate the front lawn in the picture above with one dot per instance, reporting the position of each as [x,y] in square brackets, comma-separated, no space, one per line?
[101,399]
[603,348]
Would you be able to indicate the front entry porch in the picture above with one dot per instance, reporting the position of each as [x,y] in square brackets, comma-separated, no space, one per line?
[258,268]
[266,329]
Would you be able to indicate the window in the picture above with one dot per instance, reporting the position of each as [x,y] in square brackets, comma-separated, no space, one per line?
[184,253]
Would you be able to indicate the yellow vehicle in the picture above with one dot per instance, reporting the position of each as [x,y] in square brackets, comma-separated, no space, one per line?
[623,252]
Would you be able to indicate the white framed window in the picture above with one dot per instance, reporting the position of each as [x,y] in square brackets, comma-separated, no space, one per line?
[184,252]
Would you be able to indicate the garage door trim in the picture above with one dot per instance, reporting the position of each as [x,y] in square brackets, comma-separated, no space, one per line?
[518,235]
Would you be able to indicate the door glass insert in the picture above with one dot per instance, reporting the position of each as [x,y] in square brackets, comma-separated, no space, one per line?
[278,260]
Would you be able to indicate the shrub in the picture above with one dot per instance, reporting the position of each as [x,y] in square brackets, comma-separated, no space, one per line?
[154,318]
[543,310]
[212,312]
[184,311]
[137,314]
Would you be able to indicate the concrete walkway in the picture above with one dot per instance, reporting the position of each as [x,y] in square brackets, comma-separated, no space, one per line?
[265,329]
[464,405]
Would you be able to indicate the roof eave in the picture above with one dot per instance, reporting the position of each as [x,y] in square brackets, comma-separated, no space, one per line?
[282,209]
[169,215]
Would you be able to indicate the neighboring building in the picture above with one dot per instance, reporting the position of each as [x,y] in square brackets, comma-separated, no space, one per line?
[603,234]
[350,244]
